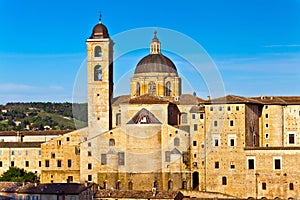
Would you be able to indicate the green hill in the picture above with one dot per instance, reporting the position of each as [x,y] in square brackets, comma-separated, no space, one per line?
[40,116]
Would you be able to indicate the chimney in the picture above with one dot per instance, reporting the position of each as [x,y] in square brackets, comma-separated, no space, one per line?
[208,97]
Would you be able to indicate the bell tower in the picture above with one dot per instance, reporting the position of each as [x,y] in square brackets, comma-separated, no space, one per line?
[100,80]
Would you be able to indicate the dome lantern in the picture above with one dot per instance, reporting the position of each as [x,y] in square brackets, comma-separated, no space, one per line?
[155,44]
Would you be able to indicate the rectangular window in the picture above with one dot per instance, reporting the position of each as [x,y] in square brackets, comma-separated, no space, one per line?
[70,179]
[90,166]
[201,116]
[267,125]
[217,165]
[193,116]
[216,142]
[167,156]
[195,127]
[89,177]
[26,152]
[26,163]
[228,108]
[185,156]
[232,165]
[89,144]
[277,163]
[58,163]
[266,107]
[291,186]
[267,145]
[232,142]
[211,108]
[40,163]
[267,115]
[12,163]
[251,163]
[59,142]
[52,155]
[224,180]
[237,108]
[68,139]
[264,186]
[69,163]
[291,138]
[47,164]
[103,159]
[121,158]
[12,152]
[194,143]
[77,150]
[215,123]
[89,153]
[1,164]
[231,123]
[39,152]
[220,108]
[195,155]
[267,135]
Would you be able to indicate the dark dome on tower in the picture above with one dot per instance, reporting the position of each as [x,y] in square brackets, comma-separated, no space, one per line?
[155,63]
[99,32]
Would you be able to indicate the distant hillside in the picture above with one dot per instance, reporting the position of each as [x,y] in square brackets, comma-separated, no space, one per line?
[41,116]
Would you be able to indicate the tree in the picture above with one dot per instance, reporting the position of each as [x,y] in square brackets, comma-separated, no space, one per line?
[15,174]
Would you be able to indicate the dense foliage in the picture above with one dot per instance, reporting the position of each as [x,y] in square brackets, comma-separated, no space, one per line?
[40,116]
[15,174]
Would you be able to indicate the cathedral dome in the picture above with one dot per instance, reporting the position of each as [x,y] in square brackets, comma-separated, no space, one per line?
[99,32]
[155,63]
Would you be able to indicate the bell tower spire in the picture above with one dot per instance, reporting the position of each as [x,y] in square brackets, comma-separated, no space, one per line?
[155,44]
[100,79]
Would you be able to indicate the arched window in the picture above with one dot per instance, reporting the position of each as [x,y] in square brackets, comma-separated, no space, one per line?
[98,73]
[170,185]
[118,185]
[183,118]
[155,185]
[138,88]
[130,185]
[111,142]
[176,142]
[118,119]
[168,89]
[98,51]
[184,185]
[152,88]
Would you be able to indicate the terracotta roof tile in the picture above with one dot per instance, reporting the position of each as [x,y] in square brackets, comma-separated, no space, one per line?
[36,133]
[149,99]
[10,186]
[232,99]
[120,99]
[134,194]
[278,100]
[52,188]
[20,144]
[189,99]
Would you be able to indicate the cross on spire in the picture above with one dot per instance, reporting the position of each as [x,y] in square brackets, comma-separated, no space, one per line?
[100,17]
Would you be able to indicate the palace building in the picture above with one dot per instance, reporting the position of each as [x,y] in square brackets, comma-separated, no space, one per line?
[159,138]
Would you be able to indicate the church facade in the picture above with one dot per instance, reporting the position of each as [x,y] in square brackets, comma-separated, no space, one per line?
[158,138]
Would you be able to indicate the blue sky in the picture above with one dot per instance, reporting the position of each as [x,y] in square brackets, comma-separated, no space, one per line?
[254,43]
